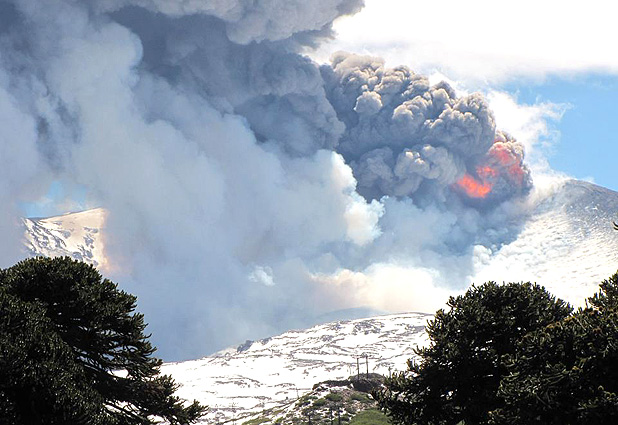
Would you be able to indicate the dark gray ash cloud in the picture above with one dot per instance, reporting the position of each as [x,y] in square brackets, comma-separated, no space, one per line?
[404,135]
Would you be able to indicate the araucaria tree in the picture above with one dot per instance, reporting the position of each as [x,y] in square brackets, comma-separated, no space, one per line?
[459,373]
[566,373]
[73,351]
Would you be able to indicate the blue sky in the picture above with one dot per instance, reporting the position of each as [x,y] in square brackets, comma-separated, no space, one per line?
[587,147]
[62,197]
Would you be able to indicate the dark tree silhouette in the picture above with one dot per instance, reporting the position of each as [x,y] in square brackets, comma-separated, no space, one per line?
[73,350]
[565,373]
[458,376]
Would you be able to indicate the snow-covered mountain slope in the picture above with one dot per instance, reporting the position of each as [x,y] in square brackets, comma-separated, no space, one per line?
[566,244]
[267,373]
[78,235]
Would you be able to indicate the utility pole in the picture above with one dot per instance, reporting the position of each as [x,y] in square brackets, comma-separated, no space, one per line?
[339,414]
[367,362]
[357,369]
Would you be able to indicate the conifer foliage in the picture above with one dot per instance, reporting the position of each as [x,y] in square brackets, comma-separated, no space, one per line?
[566,373]
[73,350]
[459,374]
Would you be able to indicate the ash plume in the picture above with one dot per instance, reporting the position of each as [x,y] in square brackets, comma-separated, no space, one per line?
[249,190]
[404,135]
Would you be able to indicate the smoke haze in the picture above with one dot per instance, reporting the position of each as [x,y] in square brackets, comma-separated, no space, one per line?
[249,190]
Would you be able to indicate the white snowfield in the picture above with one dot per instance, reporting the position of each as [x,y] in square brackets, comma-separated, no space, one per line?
[77,235]
[568,244]
[268,373]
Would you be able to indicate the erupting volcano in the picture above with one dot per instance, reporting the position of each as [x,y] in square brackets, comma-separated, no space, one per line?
[244,162]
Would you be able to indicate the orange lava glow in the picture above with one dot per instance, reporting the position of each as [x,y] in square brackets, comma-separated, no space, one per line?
[510,162]
[474,188]
[501,162]
[486,172]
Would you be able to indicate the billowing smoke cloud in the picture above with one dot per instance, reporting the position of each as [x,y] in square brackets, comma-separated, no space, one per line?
[248,189]
[404,135]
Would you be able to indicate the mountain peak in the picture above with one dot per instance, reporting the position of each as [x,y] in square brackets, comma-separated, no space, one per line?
[77,235]
[567,243]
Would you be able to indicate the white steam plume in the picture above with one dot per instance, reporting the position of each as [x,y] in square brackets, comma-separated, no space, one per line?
[239,177]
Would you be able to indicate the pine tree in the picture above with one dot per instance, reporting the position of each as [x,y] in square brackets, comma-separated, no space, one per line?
[73,350]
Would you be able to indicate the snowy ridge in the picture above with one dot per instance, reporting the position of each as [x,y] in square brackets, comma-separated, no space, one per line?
[77,235]
[268,373]
[567,243]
